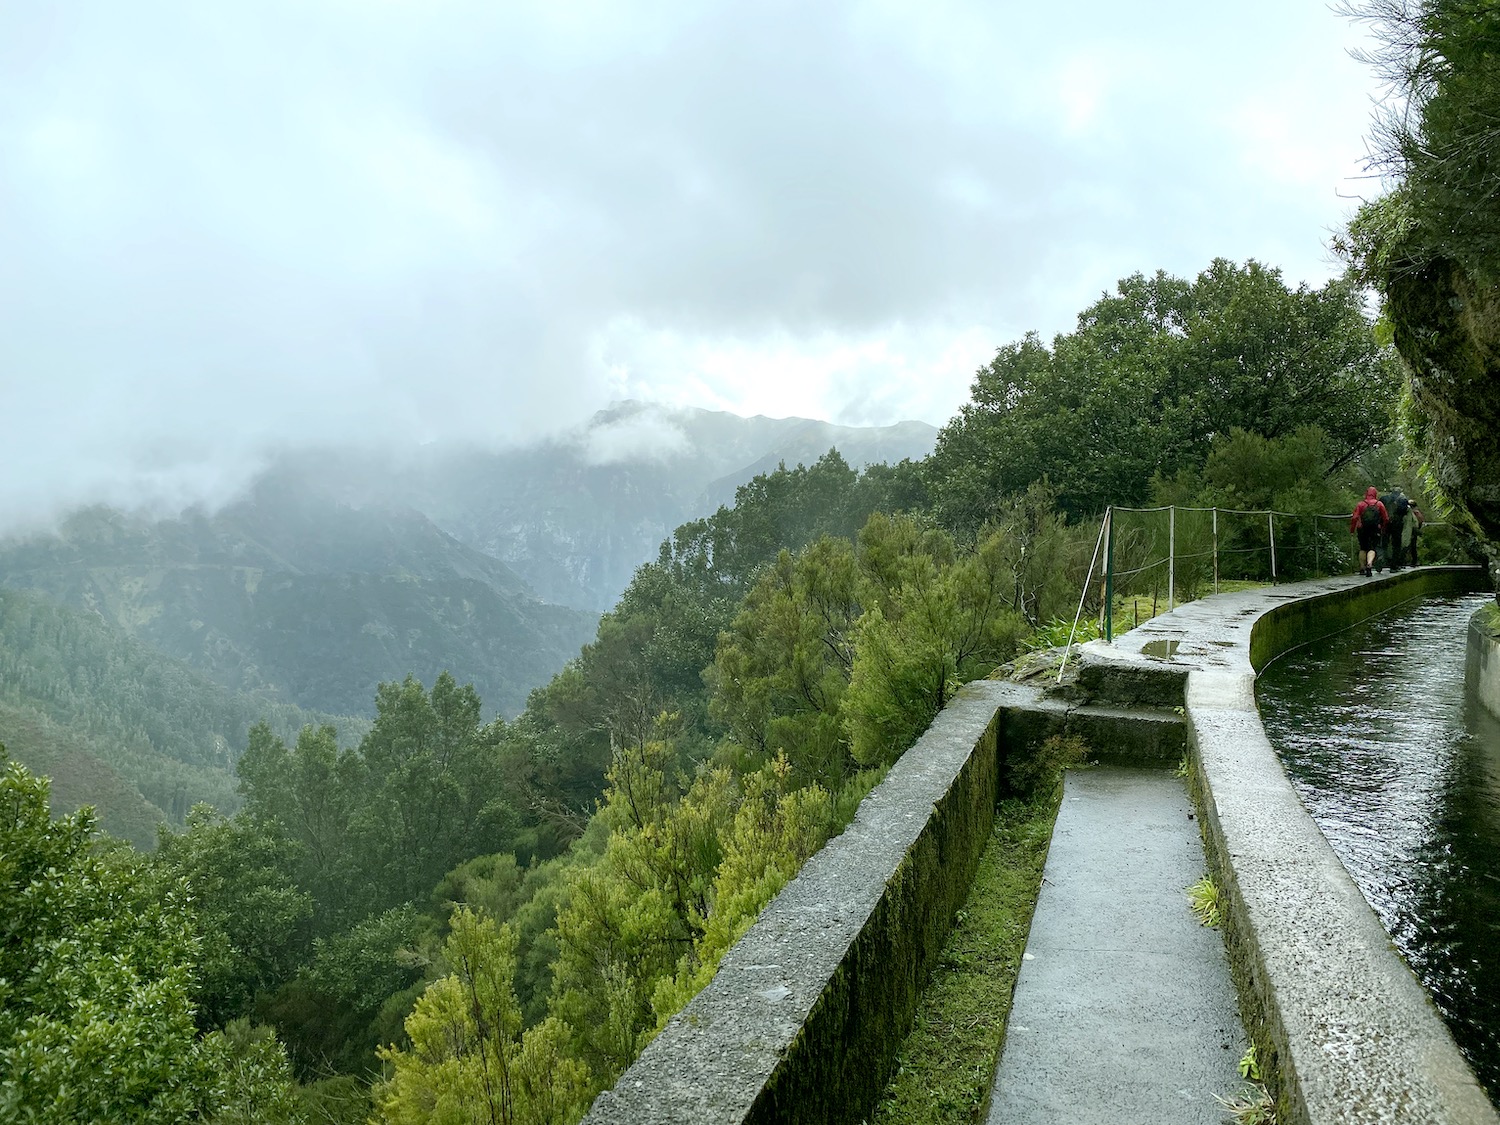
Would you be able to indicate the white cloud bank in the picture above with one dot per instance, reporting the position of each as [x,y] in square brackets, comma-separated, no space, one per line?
[230,230]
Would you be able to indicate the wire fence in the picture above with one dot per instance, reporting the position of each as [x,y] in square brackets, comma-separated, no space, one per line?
[1174,554]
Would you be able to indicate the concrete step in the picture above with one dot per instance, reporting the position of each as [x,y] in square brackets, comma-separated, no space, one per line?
[1124,1011]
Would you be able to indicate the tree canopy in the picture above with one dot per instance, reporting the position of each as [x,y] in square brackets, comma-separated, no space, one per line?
[1153,373]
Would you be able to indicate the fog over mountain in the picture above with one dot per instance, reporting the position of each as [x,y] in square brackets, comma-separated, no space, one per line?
[231,231]
[574,516]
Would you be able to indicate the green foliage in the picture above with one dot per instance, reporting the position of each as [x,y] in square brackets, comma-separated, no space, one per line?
[428,788]
[250,919]
[1441,59]
[95,1020]
[470,1061]
[1152,373]
[779,675]
[934,621]
[1203,896]
[375,958]
[257,1087]
[843,655]
[1249,1065]
[166,729]
[1033,775]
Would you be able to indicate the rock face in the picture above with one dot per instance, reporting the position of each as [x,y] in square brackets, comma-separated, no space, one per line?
[1448,332]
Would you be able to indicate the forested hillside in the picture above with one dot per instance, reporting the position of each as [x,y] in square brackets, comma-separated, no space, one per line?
[117,725]
[304,600]
[458,905]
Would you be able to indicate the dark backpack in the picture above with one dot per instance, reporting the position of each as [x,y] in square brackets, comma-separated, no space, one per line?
[1396,508]
[1370,517]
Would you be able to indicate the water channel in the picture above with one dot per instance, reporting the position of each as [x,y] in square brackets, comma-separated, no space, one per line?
[1400,768]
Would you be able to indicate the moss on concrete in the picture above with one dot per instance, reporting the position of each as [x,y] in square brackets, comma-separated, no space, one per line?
[835,1067]
[946,1065]
[1487,621]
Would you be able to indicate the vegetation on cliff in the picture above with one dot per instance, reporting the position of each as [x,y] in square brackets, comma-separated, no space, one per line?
[1431,245]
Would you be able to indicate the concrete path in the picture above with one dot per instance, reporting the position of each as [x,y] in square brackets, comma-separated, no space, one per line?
[1124,1012]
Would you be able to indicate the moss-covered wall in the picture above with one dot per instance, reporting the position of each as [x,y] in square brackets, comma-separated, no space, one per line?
[1482,667]
[840,1061]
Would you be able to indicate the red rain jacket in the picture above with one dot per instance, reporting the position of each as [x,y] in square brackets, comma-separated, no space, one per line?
[1371,500]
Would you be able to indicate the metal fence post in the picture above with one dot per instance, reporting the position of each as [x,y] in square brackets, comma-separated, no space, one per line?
[1109,575]
[1271,523]
[1171,557]
[1216,550]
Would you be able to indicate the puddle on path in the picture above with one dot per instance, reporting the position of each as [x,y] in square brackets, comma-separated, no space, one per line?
[1162,650]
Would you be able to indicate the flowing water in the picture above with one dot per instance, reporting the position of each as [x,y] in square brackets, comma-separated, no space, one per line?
[1400,768]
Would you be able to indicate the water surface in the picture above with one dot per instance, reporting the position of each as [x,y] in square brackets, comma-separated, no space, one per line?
[1400,768]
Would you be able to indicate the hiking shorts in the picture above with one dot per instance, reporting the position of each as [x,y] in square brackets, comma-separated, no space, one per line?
[1369,538]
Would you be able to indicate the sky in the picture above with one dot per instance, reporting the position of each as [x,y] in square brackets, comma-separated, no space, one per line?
[229,230]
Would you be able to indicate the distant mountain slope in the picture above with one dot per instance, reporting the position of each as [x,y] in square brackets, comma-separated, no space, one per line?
[79,774]
[304,600]
[575,516]
[107,716]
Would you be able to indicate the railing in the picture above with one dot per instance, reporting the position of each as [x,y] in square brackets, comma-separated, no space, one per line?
[1177,552]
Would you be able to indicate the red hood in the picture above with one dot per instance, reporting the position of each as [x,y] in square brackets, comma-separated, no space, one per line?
[1372,494]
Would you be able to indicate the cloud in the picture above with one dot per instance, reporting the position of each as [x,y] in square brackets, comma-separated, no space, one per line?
[649,435]
[236,229]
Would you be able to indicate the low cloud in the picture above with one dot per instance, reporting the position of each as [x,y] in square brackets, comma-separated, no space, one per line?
[649,435]
[235,230]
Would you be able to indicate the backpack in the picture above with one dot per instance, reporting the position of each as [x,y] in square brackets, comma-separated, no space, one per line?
[1370,516]
[1397,507]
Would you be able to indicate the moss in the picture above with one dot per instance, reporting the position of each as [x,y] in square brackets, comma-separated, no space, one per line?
[1487,621]
[947,1063]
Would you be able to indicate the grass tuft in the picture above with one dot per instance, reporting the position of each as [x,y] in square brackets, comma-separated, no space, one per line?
[947,1063]
[1251,1106]
[1203,896]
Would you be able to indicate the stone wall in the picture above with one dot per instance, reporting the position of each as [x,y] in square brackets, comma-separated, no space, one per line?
[803,1019]
[1482,668]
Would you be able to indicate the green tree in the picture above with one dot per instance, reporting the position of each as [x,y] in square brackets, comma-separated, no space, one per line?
[257,1086]
[250,918]
[1151,374]
[779,676]
[936,621]
[469,1060]
[95,972]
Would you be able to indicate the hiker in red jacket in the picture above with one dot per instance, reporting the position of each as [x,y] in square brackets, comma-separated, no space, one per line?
[1368,522]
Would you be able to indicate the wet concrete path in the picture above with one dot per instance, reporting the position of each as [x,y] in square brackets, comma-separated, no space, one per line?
[1124,1012]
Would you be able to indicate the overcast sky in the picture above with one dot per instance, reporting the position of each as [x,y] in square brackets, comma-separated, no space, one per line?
[231,228]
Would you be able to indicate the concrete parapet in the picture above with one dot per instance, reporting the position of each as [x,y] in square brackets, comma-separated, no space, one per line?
[803,1018]
[1482,664]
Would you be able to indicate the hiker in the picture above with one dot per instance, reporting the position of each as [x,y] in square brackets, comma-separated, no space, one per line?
[1367,522]
[1414,521]
[1396,507]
